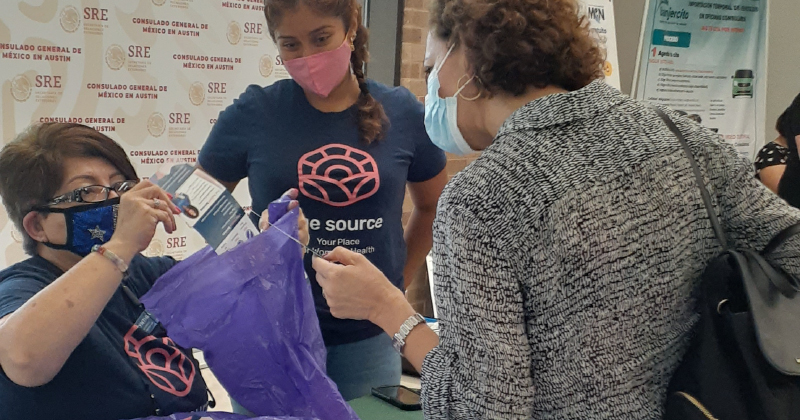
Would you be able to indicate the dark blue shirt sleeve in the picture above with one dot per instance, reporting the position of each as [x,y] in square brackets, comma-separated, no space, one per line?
[15,291]
[428,160]
[224,155]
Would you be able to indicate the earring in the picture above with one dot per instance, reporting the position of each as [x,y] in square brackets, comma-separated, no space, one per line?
[480,92]
[352,44]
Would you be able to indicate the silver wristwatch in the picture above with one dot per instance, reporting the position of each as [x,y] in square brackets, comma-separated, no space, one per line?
[399,340]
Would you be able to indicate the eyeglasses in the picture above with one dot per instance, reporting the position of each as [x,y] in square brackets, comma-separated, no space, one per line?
[92,193]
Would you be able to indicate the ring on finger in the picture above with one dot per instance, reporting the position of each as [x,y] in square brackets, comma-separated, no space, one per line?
[156,203]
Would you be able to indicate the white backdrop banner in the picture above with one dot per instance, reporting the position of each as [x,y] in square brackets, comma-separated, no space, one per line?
[151,74]
[601,17]
[708,59]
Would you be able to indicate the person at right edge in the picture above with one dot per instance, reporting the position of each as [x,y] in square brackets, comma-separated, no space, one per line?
[567,257]
[789,128]
[351,145]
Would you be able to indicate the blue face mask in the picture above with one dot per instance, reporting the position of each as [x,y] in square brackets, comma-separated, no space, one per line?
[87,226]
[441,116]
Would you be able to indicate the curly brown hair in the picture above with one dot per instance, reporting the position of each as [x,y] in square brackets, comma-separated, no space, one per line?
[514,44]
[372,119]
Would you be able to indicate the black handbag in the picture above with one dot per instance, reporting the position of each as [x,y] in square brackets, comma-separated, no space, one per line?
[743,362]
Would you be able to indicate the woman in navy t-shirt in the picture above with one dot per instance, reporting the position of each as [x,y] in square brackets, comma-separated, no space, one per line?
[351,145]
[75,343]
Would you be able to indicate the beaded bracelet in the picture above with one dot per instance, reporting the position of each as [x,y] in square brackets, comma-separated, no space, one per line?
[111,257]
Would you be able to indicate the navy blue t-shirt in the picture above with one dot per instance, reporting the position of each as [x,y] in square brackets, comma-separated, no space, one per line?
[351,192]
[118,371]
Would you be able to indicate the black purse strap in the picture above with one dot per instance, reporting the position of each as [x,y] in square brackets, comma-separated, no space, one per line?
[712,214]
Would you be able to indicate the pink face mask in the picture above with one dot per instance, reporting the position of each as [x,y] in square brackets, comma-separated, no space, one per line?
[320,73]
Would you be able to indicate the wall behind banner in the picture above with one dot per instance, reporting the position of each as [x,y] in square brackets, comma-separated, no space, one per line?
[151,74]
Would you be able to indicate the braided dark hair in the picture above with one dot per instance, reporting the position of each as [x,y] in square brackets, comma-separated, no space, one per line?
[372,120]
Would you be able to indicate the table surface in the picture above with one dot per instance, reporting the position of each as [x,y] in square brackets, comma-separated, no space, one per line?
[371,408]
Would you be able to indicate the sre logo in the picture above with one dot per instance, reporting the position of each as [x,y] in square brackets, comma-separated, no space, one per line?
[216,87]
[136,51]
[44,81]
[180,118]
[93,13]
[253,28]
[179,242]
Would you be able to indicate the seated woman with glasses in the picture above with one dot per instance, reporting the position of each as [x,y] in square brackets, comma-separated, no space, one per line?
[75,343]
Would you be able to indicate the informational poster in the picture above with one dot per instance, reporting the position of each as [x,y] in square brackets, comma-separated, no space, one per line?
[601,18]
[151,74]
[707,59]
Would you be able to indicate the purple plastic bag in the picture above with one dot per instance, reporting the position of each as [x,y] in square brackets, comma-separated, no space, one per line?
[252,313]
[216,416]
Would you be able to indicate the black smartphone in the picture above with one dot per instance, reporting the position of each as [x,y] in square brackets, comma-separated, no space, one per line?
[399,396]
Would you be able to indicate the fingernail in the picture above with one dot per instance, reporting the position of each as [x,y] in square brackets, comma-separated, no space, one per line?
[169,195]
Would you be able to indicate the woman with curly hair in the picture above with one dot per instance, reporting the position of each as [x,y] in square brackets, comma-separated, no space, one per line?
[567,257]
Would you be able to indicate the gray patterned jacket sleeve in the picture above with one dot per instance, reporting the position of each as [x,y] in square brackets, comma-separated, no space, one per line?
[482,369]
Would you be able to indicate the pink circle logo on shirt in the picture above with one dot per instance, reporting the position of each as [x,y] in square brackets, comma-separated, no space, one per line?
[338,175]
[161,361]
